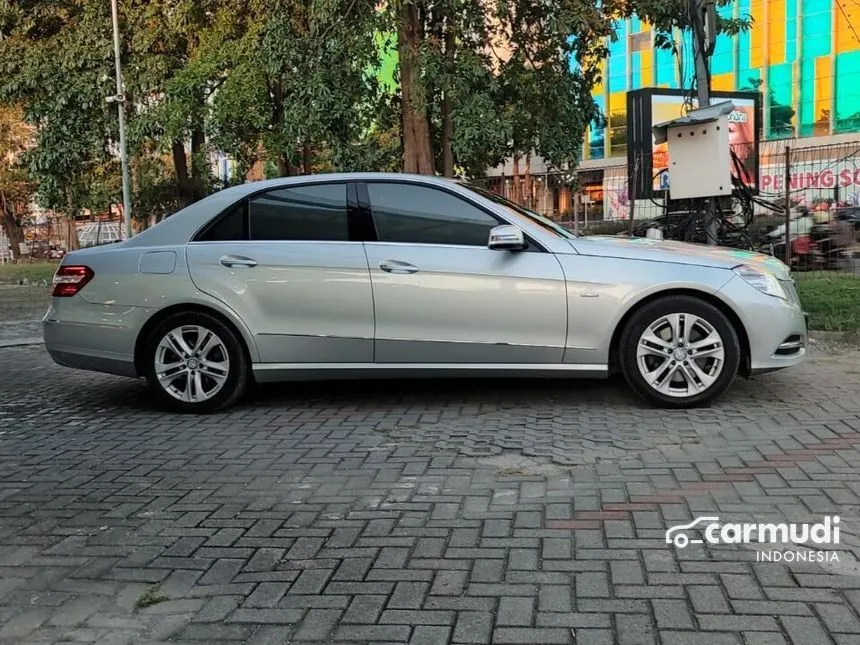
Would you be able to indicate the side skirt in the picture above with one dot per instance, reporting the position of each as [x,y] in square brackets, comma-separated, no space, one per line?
[273,372]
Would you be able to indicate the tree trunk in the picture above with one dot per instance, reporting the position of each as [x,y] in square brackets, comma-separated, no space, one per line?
[529,185]
[447,121]
[198,164]
[180,167]
[9,223]
[307,158]
[283,165]
[74,241]
[447,138]
[417,151]
[70,234]
[516,193]
[277,91]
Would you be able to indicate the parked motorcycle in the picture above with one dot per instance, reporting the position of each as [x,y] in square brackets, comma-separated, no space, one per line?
[824,246]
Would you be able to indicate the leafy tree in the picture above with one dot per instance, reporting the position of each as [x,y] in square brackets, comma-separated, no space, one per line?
[53,61]
[666,15]
[16,188]
[480,81]
[549,77]
[780,115]
[172,67]
[315,56]
[290,81]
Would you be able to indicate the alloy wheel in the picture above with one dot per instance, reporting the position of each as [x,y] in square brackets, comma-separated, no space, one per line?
[191,363]
[680,355]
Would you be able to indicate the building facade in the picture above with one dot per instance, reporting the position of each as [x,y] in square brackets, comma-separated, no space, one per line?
[803,56]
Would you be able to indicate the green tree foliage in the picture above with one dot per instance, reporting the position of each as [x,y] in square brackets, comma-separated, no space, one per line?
[16,187]
[549,77]
[667,15]
[496,79]
[292,84]
[171,66]
[298,87]
[53,61]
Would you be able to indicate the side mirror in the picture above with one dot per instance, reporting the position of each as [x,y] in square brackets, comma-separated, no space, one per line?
[507,238]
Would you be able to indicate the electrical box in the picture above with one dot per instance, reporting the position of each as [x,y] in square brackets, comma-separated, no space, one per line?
[699,159]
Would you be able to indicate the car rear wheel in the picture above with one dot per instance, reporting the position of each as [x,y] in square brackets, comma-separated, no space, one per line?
[679,352]
[195,363]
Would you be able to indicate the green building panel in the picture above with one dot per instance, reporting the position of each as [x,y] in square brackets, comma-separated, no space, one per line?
[816,28]
[666,67]
[790,31]
[807,97]
[848,92]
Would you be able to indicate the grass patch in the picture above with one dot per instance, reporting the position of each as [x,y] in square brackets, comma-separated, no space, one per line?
[832,300]
[32,271]
[150,597]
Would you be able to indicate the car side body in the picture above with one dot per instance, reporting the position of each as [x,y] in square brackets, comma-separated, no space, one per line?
[359,306]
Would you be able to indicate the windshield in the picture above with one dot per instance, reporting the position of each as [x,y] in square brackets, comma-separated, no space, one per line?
[520,212]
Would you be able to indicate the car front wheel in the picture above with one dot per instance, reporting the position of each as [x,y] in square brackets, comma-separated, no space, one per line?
[679,352]
[195,363]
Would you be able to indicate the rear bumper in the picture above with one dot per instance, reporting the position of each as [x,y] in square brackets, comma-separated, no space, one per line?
[81,359]
[98,338]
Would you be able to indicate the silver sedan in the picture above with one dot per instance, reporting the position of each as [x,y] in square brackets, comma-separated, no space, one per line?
[384,275]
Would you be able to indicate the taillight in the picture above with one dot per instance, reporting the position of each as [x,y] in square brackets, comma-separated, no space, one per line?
[70,279]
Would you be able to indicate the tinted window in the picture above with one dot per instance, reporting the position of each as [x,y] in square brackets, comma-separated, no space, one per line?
[301,213]
[518,212]
[229,227]
[422,215]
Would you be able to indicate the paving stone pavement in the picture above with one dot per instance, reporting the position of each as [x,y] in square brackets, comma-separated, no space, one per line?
[511,512]
[20,332]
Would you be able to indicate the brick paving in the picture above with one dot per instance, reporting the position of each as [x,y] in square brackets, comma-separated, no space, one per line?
[20,332]
[421,512]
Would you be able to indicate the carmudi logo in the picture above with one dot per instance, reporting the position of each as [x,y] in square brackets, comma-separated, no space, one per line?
[824,533]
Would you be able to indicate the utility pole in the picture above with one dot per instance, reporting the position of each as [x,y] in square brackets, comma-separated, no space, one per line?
[703,18]
[787,206]
[119,99]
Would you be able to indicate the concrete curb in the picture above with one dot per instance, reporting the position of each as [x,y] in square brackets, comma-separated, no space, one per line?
[21,342]
[834,337]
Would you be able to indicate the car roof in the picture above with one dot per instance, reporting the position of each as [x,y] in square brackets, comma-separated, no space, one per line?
[185,223]
[252,187]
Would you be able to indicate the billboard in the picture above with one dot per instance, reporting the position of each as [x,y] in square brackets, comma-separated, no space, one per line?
[742,140]
[649,162]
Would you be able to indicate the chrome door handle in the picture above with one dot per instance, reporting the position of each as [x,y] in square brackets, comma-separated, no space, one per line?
[237,261]
[396,266]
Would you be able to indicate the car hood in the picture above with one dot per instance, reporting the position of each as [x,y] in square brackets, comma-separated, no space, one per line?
[640,248]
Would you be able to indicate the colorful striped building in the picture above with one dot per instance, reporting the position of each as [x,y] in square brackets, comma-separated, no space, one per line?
[802,55]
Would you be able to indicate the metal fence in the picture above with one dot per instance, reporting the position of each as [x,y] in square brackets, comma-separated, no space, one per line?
[817,186]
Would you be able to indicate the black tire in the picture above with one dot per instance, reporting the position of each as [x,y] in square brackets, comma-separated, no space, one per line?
[649,314]
[238,374]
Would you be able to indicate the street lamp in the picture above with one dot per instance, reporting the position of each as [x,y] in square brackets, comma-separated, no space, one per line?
[119,99]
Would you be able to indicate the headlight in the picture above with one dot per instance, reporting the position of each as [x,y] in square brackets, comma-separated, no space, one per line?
[762,280]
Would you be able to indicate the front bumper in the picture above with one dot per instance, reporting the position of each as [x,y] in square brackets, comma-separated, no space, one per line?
[776,328]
